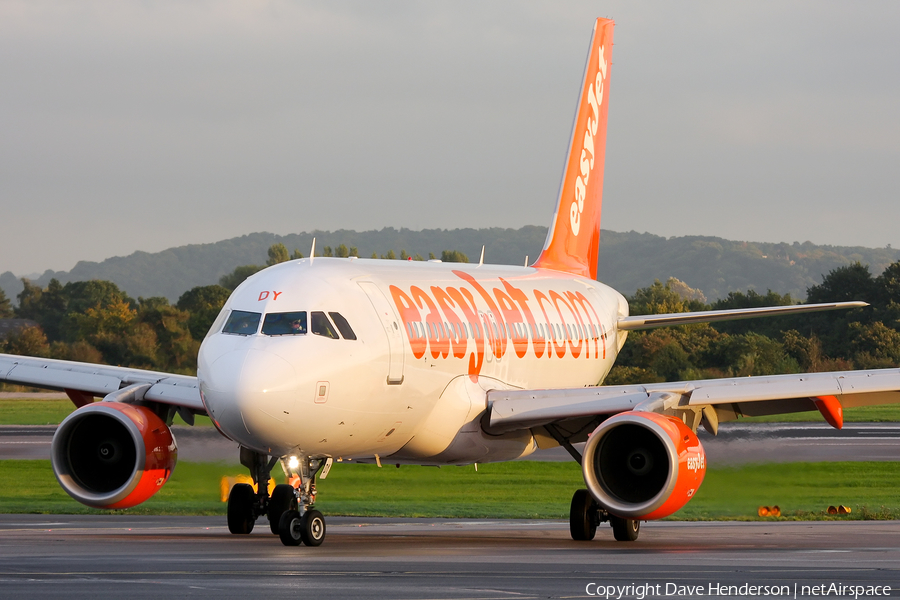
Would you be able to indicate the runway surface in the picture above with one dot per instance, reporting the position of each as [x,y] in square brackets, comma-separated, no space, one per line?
[94,557]
[737,443]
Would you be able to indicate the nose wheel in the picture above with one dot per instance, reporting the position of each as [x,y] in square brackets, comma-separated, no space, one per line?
[301,523]
[309,529]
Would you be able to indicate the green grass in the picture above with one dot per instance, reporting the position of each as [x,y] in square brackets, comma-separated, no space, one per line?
[801,490]
[25,411]
[503,490]
[888,413]
[51,412]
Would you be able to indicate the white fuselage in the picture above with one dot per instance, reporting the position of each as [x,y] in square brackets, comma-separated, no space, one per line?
[431,340]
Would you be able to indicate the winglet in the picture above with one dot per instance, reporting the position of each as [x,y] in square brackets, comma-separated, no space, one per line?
[574,237]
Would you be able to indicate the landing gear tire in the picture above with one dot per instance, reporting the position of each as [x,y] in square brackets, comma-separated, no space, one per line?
[289,528]
[308,529]
[240,509]
[625,530]
[583,516]
[283,499]
[312,528]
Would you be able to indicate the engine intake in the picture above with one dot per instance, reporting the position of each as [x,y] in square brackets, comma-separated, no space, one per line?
[113,455]
[641,465]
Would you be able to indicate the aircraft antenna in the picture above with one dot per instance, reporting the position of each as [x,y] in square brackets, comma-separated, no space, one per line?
[481,262]
[526,260]
[312,252]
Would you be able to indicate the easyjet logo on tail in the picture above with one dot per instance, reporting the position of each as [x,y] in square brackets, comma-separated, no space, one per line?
[573,241]
[595,100]
[467,320]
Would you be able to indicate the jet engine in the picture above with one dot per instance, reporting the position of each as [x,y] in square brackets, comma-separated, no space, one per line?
[113,455]
[641,465]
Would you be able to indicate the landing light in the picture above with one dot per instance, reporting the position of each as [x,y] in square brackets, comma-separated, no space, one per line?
[293,462]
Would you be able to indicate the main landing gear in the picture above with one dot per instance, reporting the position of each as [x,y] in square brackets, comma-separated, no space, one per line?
[290,509]
[585,515]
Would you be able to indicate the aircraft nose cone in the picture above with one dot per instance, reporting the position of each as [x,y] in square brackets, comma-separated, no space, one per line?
[251,395]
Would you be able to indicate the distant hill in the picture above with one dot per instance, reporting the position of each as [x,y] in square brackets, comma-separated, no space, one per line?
[628,261]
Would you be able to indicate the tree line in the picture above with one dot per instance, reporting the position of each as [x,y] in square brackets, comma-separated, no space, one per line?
[278,253]
[861,338]
[95,321]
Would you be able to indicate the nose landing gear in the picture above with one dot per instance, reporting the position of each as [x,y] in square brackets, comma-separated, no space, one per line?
[290,509]
[302,523]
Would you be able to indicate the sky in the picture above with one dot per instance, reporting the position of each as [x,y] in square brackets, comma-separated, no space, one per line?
[131,126]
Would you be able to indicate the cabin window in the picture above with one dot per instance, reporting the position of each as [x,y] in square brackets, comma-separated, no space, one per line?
[241,322]
[320,325]
[286,323]
[343,326]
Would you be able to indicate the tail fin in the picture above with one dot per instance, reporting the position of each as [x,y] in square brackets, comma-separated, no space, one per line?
[574,238]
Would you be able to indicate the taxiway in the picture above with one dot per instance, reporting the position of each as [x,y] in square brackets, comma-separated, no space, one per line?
[95,557]
[737,443]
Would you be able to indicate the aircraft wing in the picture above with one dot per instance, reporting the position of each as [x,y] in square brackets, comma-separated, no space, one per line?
[711,316]
[704,401]
[84,381]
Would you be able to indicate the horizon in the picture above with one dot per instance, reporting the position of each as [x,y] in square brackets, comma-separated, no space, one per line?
[319,246]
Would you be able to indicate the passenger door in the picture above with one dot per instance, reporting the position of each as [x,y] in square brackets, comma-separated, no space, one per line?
[392,330]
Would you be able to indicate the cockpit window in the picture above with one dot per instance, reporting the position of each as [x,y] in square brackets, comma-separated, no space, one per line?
[342,325]
[217,324]
[289,323]
[320,325]
[242,322]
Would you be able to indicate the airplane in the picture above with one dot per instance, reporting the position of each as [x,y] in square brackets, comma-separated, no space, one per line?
[319,360]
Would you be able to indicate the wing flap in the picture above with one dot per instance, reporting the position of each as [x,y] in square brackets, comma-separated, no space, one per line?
[764,388]
[522,409]
[738,396]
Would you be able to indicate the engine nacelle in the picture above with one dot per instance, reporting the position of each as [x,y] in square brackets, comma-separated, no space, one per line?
[641,465]
[113,455]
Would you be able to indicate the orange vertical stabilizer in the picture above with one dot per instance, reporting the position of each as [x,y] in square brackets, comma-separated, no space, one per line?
[574,237]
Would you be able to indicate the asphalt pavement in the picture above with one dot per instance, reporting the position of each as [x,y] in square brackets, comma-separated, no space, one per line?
[737,443]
